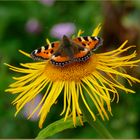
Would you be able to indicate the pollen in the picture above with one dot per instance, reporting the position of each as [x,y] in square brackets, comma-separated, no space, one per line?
[71,72]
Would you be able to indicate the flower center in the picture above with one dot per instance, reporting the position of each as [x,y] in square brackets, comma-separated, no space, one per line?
[71,72]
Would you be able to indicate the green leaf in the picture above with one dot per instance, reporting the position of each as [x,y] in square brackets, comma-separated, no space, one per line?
[56,127]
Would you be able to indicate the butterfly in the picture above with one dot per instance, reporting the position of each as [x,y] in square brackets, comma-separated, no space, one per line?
[68,50]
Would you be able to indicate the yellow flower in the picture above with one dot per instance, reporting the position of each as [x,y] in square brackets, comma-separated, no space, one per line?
[94,79]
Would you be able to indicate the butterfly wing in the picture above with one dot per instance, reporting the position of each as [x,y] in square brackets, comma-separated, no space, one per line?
[59,58]
[89,42]
[45,52]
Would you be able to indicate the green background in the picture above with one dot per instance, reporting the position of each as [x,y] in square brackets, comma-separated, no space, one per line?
[120,20]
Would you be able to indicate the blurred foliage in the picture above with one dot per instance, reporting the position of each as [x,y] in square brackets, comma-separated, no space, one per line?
[86,15]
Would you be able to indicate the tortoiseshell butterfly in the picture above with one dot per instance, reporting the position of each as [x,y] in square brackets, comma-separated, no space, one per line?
[68,50]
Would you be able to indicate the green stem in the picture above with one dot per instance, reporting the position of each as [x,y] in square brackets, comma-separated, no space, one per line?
[100,128]
[97,125]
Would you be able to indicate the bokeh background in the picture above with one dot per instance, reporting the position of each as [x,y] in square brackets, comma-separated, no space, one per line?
[26,24]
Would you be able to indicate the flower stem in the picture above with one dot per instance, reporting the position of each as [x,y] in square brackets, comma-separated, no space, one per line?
[100,128]
[97,125]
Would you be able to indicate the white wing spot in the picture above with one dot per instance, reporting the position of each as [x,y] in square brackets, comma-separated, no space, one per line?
[89,38]
[53,56]
[35,51]
[82,39]
[42,48]
[85,49]
[50,46]
[96,38]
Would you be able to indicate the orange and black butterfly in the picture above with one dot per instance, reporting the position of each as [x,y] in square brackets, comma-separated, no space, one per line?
[68,50]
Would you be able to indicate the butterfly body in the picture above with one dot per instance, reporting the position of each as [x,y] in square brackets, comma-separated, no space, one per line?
[68,50]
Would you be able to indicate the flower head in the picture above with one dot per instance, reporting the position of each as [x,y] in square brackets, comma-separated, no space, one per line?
[33,26]
[94,80]
[61,29]
[30,106]
[47,2]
